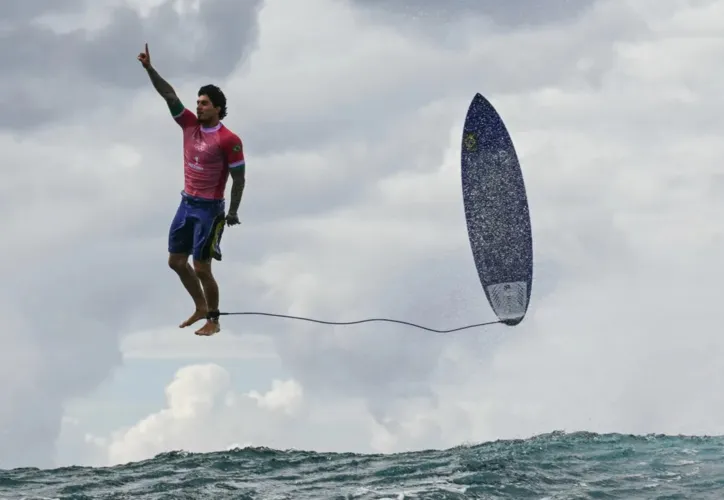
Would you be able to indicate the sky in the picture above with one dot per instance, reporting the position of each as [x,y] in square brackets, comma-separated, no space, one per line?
[351,114]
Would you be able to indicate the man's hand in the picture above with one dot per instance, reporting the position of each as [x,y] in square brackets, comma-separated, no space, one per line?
[232,219]
[162,86]
[145,58]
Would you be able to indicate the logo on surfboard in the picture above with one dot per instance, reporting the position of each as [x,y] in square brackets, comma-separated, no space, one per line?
[470,141]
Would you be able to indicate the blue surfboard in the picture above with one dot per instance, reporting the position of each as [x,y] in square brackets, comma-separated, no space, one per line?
[496,212]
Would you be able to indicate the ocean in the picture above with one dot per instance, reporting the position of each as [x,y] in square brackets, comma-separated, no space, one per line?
[552,466]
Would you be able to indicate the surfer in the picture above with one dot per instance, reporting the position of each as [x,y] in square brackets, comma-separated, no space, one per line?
[211,152]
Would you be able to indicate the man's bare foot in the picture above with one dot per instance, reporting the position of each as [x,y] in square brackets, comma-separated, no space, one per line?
[198,315]
[211,327]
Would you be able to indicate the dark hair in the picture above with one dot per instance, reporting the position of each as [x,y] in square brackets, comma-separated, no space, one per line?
[216,96]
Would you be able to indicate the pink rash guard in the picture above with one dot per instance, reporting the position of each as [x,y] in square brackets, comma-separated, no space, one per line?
[209,155]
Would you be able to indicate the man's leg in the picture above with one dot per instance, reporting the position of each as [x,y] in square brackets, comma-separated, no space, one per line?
[206,248]
[180,246]
[192,283]
[211,290]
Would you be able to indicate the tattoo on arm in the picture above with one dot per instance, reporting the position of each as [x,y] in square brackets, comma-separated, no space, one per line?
[162,86]
[237,190]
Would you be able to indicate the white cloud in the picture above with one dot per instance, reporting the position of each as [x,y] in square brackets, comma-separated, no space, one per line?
[285,396]
[204,413]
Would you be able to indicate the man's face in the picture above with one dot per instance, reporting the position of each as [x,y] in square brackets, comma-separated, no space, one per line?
[205,111]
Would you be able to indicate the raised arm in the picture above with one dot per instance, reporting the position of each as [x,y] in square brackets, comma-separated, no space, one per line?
[164,88]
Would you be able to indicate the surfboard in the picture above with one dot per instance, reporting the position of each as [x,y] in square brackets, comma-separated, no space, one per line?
[496,212]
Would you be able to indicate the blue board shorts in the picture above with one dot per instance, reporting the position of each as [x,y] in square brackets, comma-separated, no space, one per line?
[197,228]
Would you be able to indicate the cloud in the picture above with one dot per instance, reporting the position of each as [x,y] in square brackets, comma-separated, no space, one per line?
[203,413]
[91,59]
[29,11]
[352,209]
[513,13]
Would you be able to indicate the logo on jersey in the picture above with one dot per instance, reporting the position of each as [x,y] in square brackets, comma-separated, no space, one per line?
[196,166]
[236,148]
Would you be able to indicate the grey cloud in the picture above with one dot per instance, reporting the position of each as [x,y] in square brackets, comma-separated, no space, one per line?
[510,13]
[73,304]
[72,291]
[591,42]
[83,66]
[381,362]
[351,169]
[13,12]
[227,28]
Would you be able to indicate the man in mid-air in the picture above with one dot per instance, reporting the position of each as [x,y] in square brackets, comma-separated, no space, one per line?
[212,152]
